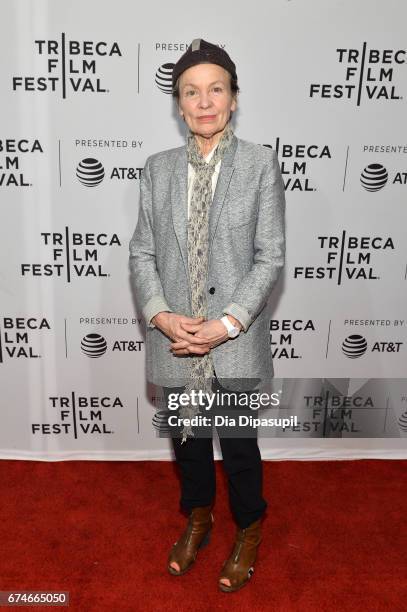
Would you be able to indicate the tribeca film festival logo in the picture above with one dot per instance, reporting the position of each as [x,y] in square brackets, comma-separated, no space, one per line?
[77,414]
[72,254]
[70,66]
[335,413]
[12,153]
[294,160]
[282,339]
[355,346]
[19,336]
[94,345]
[368,74]
[349,258]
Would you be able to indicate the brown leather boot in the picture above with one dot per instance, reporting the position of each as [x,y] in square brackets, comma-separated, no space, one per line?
[195,536]
[239,568]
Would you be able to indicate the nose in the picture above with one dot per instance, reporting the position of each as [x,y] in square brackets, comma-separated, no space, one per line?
[204,100]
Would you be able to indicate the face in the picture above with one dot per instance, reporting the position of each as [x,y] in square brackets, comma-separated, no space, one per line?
[205,98]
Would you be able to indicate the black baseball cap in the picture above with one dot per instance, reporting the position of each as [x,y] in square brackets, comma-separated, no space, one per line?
[201,51]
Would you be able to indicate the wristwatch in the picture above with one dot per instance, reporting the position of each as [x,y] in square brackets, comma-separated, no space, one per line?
[232,330]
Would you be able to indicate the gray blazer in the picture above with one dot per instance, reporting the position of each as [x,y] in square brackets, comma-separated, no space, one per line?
[246,255]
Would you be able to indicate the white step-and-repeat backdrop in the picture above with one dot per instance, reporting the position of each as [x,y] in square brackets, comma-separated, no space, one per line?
[85,98]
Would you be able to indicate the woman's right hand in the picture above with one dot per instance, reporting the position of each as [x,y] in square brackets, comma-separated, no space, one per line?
[170,324]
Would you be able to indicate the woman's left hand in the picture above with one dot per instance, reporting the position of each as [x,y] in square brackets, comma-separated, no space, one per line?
[213,330]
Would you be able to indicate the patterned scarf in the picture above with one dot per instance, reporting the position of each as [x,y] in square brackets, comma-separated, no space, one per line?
[200,366]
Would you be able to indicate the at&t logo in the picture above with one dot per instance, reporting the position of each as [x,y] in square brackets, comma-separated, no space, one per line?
[355,346]
[90,172]
[94,345]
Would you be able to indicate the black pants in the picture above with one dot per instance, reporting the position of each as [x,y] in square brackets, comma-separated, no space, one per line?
[241,461]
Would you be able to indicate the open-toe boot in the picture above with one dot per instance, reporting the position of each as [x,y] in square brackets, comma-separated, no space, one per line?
[195,536]
[239,567]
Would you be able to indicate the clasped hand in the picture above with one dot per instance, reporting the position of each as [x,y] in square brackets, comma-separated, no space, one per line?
[191,335]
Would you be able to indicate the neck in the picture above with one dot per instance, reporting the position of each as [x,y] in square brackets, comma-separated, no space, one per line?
[207,143]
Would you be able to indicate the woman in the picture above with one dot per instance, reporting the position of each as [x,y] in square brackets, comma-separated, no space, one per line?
[206,253]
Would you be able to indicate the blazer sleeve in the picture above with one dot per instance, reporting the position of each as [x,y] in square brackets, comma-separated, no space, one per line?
[254,289]
[142,261]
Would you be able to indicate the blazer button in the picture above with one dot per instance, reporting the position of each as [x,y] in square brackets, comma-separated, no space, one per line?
[212,290]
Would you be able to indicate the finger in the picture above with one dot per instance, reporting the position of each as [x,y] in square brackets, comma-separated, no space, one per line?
[179,344]
[181,352]
[191,327]
[193,339]
[188,348]
[198,350]
[186,343]
[193,319]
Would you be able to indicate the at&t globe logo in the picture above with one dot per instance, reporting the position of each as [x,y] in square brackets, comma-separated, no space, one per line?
[90,172]
[94,345]
[354,346]
[163,77]
[374,177]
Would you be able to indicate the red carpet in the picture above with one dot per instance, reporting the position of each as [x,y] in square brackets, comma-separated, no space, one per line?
[334,537]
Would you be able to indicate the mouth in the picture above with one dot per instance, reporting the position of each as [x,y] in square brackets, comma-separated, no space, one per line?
[206,118]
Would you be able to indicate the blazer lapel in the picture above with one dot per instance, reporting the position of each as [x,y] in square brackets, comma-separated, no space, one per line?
[179,197]
[225,174]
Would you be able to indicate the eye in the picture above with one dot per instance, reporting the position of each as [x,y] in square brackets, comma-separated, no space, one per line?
[190,92]
[217,88]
